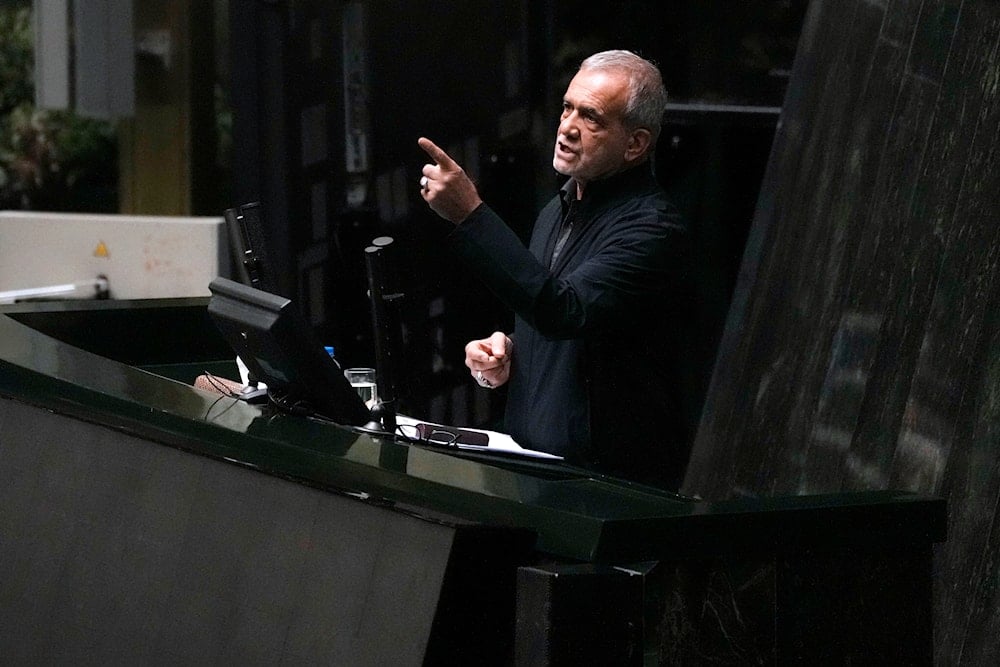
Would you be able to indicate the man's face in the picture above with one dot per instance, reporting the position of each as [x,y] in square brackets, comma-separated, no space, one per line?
[591,141]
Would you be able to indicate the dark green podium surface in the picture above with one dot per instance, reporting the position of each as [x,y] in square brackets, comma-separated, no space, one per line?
[143,519]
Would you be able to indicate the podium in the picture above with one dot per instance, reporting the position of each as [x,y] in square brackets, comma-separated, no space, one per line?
[143,519]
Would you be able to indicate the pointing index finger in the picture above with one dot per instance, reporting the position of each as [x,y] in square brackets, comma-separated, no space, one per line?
[439,156]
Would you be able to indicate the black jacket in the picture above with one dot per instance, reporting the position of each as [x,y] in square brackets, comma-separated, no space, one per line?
[600,340]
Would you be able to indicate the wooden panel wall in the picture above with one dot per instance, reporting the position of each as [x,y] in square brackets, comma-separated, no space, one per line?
[167,147]
[861,351]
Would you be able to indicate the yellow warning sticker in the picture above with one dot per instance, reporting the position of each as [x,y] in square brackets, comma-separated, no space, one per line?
[101,250]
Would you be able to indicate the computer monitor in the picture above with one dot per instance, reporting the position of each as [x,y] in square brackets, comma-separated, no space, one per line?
[279,348]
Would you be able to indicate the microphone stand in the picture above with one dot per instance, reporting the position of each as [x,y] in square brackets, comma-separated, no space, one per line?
[385,325]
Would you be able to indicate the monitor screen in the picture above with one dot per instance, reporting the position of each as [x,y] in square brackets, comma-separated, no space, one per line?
[278,347]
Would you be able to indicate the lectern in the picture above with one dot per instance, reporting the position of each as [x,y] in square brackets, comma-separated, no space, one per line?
[144,519]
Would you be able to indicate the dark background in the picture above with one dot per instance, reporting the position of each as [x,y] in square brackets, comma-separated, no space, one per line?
[484,81]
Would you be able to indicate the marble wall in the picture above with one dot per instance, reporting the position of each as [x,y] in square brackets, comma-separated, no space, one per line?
[862,349]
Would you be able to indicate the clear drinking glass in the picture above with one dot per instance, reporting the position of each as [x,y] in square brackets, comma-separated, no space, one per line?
[363,381]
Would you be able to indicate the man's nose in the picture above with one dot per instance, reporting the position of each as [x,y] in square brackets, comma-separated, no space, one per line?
[567,125]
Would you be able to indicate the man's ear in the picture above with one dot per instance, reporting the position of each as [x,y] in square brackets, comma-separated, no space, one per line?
[638,144]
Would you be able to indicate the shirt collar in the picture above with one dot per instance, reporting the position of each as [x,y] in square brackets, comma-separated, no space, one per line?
[634,178]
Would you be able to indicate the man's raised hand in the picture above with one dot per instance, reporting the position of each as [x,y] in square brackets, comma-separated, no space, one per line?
[445,186]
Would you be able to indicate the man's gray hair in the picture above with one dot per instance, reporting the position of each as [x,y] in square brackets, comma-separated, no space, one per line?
[647,99]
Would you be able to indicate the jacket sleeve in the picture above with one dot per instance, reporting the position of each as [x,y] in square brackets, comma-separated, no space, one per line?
[637,259]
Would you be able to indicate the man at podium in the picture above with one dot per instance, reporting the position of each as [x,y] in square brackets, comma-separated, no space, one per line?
[595,364]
